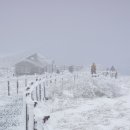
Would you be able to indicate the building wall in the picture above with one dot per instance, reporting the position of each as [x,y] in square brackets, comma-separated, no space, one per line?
[26,68]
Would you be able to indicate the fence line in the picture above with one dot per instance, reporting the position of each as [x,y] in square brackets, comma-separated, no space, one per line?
[34,90]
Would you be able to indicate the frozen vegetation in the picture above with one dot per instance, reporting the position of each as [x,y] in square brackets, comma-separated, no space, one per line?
[76,102]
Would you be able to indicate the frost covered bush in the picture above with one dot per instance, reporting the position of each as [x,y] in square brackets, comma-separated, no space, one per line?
[88,87]
[96,87]
[82,85]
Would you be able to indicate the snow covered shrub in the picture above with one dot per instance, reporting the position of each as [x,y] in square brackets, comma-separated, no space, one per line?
[87,87]
[106,87]
[97,88]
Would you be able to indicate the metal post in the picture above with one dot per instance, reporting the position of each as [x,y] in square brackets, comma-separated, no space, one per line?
[34,124]
[8,88]
[36,94]
[44,91]
[25,82]
[26,117]
[52,67]
[17,87]
[40,96]
[62,84]
[74,80]
[55,81]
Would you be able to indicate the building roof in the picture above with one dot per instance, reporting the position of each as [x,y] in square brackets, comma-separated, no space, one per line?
[37,60]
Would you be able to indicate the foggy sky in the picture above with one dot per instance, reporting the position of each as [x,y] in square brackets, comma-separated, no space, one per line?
[69,31]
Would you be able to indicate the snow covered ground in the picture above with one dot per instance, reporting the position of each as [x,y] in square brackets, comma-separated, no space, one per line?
[11,113]
[77,102]
[97,113]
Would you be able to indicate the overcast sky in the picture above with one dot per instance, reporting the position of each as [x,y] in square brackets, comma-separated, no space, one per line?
[68,31]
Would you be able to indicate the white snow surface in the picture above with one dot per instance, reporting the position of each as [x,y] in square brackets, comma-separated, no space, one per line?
[96,113]
[77,102]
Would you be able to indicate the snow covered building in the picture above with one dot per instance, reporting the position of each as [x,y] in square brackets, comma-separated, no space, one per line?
[34,64]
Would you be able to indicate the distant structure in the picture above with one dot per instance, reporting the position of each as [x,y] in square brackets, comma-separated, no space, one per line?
[71,68]
[74,68]
[34,64]
[112,69]
[31,64]
[113,72]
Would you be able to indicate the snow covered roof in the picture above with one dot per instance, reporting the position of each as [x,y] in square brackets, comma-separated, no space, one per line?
[37,60]
[12,60]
